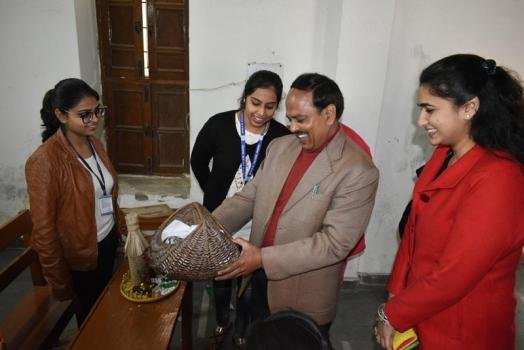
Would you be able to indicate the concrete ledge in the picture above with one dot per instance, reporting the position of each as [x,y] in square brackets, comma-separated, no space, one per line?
[373,279]
[138,191]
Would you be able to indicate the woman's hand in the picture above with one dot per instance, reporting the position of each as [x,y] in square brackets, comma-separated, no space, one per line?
[383,330]
[384,334]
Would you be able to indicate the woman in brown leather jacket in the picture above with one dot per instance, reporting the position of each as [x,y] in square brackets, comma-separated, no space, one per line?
[72,190]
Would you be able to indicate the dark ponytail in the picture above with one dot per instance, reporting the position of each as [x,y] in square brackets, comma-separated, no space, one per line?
[499,121]
[500,126]
[50,121]
[65,95]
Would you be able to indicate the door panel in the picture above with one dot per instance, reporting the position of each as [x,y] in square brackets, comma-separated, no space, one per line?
[147,126]
[128,127]
[119,24]
[170,108]
[168,40]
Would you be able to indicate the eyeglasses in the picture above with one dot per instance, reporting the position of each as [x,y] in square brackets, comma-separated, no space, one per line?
[88,116]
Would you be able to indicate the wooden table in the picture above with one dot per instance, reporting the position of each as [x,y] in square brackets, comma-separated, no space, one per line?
[117,323]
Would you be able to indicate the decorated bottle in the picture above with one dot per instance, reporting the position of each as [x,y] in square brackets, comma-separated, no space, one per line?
[135,247]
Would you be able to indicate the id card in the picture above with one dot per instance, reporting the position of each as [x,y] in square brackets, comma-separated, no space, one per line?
[105,204]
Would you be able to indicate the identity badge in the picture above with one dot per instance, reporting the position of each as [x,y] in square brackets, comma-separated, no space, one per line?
[105,203]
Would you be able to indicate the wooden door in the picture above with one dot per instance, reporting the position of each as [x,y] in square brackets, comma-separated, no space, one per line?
[120,39]
[168,40]
[171,113]
[128,126]
[146,90]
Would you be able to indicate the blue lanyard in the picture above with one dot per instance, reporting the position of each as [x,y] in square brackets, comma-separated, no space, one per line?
[100,179]
[249,176]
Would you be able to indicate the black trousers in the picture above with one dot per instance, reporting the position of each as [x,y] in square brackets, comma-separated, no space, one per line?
[324,330]
[222,291]
[259,305]
[88,285]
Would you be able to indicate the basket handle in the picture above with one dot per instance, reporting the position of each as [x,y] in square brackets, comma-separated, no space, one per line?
[203,222]
[199,211]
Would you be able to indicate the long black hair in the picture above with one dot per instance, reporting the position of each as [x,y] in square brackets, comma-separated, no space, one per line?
[65,95]
[261,79]
[498,123]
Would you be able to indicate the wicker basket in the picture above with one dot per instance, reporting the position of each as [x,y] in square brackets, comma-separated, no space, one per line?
[204,252]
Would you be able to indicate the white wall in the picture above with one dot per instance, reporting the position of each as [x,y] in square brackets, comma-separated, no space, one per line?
[303,36]
[86,30]
[224,36]
[373,49]
[423,32]
[362,57]
[227,35]
[39,47]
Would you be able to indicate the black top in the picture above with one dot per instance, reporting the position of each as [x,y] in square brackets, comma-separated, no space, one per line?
[407,210]
[219,140]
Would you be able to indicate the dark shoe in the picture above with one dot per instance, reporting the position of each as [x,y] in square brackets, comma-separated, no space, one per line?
[239,343]
[216,340]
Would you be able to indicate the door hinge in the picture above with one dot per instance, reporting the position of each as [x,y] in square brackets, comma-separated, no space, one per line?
[146,93]
[139,70]
[138,27]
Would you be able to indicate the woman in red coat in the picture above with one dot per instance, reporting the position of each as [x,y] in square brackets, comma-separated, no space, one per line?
[453,278]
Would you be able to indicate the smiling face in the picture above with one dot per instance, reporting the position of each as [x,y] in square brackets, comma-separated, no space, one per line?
[72,121]
[445,123]
[312,128]
[260,106]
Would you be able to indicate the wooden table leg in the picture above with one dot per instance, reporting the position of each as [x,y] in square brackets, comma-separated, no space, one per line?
[187,317]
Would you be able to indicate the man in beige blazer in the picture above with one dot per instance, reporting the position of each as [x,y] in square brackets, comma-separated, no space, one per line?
[310,201]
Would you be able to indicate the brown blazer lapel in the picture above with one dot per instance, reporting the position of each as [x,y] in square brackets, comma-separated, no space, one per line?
[319,170]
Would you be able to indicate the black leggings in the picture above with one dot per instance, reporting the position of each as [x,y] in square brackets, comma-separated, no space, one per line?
[88,285]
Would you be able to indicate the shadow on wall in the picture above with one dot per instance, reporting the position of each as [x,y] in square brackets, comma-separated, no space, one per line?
[419,138]
[13,191]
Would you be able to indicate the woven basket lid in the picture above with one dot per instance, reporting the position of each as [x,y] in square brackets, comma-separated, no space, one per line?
[205,251]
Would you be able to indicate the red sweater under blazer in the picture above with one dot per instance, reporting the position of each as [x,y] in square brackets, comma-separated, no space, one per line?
[454,274]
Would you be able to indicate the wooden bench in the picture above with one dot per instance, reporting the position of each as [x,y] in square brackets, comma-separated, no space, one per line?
[148,325]
[38,319]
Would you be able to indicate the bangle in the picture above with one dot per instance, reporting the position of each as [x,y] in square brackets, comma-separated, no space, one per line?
[381,314]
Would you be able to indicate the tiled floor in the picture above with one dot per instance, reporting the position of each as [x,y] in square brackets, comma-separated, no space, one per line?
[351,329]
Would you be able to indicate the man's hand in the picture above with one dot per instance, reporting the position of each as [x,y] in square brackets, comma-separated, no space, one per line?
[250,259]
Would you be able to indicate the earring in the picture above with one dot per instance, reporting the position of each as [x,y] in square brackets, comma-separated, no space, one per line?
[468,117]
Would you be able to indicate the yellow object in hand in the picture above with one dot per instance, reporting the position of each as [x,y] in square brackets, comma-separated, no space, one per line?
[405,340]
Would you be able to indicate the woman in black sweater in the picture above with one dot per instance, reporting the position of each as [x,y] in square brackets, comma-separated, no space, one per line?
[236,141]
